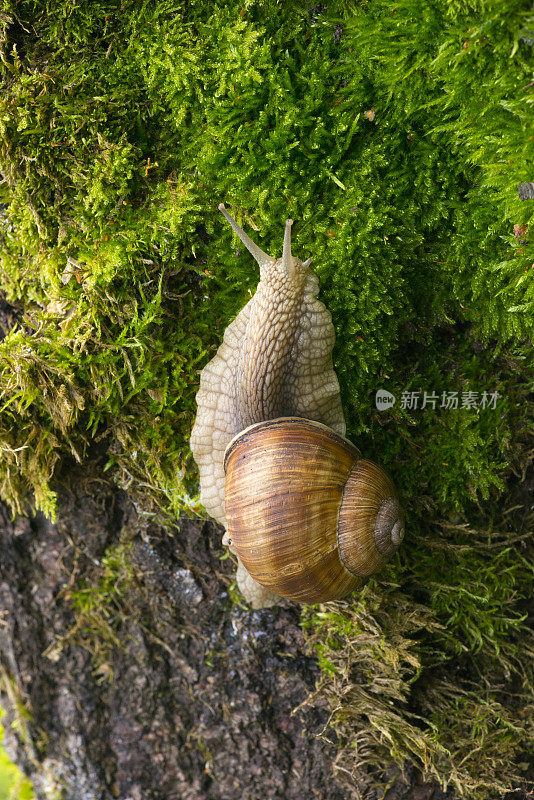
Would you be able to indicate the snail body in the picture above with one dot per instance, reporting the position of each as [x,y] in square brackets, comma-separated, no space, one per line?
[307,516]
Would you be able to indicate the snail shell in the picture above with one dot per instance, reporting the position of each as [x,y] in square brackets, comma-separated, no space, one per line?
[309,517]
[275,362]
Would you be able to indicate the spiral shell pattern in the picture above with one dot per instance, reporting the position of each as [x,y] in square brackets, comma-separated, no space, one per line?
[309,518]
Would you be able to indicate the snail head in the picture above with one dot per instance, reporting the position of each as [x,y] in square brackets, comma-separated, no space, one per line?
[288,265]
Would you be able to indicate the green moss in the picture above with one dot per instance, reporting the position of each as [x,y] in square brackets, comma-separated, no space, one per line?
[399,695]
[395,136]
[13,784]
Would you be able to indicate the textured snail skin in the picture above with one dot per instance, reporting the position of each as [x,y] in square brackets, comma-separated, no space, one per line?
[275,361]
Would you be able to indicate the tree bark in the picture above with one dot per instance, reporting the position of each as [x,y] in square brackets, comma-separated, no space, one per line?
[180,694]
[140,679]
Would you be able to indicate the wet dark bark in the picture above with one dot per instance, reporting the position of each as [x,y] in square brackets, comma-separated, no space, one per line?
[181,695]
[195,698]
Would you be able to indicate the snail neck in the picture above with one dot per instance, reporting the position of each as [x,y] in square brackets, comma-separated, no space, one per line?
[263,380]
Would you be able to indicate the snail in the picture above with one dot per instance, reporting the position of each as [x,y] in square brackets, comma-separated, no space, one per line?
[308,518]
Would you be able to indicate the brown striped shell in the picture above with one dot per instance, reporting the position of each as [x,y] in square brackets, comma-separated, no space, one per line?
[310,518]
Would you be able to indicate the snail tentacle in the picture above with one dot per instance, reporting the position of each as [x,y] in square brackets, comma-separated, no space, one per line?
[255,251]
[287,260]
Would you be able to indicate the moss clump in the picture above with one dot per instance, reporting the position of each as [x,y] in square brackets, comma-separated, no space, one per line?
[404,198]
[395,136]
[13,784]
[436,670]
